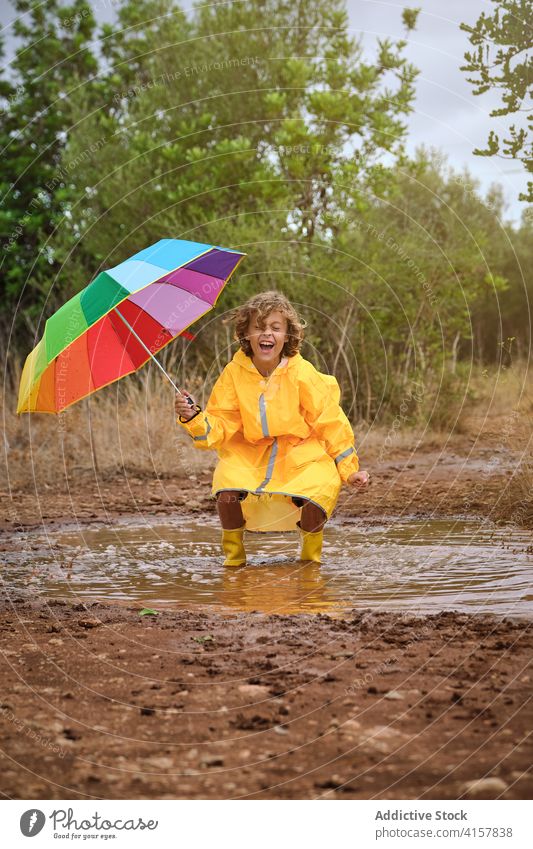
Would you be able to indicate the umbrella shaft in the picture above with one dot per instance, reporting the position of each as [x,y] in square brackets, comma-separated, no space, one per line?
[148,351]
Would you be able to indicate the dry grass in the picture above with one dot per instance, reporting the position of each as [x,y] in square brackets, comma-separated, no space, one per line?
[491,405]
[500,390]
[504,410]
[518,508]
[130,427]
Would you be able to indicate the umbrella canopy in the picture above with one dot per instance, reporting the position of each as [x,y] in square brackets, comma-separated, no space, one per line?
[114,325]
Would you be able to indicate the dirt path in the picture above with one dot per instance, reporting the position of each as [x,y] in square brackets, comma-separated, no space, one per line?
[99,702]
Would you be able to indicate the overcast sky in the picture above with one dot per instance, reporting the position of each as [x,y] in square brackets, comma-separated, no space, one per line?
[446,114]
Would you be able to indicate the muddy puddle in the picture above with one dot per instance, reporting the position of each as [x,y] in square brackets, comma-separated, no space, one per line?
[420,566]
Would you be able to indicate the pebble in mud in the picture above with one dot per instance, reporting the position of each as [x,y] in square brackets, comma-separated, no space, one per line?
[254,691]
[214,760]
[393,695]
[484,788]
[161,763]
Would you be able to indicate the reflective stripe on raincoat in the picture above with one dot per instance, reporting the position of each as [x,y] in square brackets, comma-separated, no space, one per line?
[277,438]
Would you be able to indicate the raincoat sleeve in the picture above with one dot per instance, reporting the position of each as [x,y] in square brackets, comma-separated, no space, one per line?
[220,420]
[320,402]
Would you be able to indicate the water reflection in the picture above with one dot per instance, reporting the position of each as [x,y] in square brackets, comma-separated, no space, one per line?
[286,588]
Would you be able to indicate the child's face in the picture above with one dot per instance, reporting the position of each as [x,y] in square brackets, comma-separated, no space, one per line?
[267,340]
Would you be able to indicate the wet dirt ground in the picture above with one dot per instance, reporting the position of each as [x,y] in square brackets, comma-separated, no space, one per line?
[103,703]
[100,702]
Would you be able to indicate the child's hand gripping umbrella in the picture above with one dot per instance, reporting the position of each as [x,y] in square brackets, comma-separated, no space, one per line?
[116,324]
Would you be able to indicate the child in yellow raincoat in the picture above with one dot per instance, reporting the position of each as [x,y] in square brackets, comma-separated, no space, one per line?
[285,445]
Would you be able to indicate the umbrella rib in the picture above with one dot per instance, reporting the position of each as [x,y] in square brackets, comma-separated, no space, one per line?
[148,351]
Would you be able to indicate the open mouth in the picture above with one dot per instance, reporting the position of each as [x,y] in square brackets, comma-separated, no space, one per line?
[266,346]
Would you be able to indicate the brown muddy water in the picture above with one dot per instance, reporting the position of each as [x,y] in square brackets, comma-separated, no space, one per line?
[417,566]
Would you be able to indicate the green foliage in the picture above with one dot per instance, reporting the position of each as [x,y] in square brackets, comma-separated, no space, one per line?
[218,116]
[260,126]
[410,17]
[36,116]
[502,59]
[423,263]
[501,311]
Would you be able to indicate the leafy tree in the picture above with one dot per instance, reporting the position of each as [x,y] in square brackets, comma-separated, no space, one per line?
[502,325]
[52,62]
[215,118]
[262,126]
[503,59]
[415,264]
[312,107]
[214,131]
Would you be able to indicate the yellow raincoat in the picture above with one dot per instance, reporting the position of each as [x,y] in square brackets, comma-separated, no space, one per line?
[277,438]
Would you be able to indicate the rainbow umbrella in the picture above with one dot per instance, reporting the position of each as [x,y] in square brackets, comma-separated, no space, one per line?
[117,323]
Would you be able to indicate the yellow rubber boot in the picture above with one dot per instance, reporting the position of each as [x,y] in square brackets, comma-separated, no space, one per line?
[233,545]
[311,544]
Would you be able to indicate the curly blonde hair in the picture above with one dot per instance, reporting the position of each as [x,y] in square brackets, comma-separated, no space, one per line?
[263,304]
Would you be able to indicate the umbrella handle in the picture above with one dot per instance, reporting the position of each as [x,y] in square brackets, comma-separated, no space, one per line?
[148,351]
[197,409]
